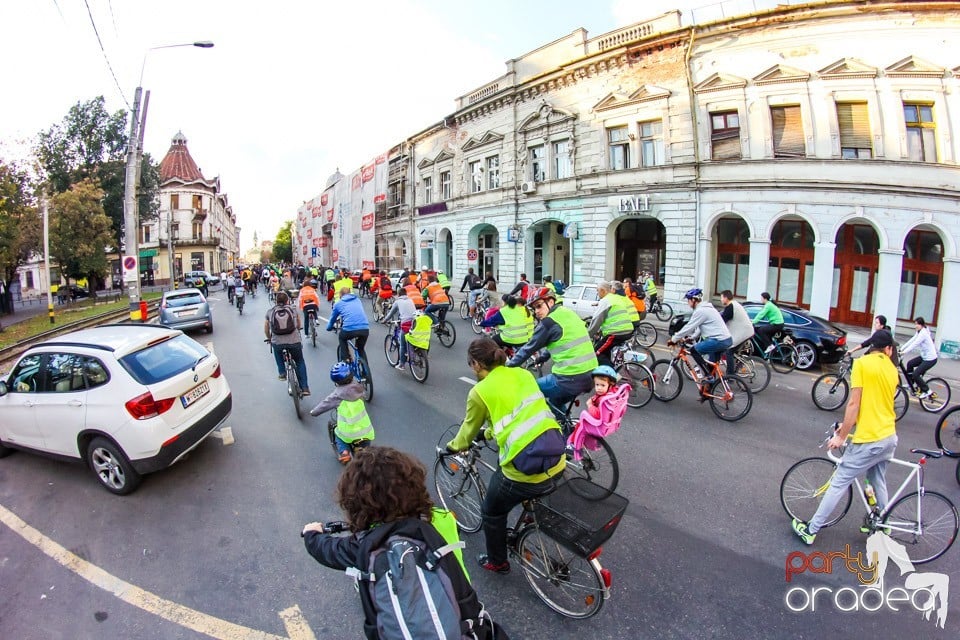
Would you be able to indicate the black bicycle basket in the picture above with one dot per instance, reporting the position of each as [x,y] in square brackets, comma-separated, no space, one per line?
[580,515]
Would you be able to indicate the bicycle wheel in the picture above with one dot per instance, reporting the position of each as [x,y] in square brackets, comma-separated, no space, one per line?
[459,492]
[803,486]
[901,402]
[293,388]
[687,372]
[391,350]
[645,335]
[947,433]
[667,380]
[331,432]
[446,334]
[464,310]
[475,323]
[829,392]
[641,383]
[664,312]
[754,371]
[939,396]
[732,401]
[366,377]
[375,307]
[419,364]
[783,358]
[938,523]
[566,582]
[599,466]
[313,335]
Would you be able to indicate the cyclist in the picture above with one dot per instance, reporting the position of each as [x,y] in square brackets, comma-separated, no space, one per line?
[274,282]
[613,323]
[415,295]
[329,275]
[444,282]
[650,288]
[873,383]
[637,296]
[278,332]
[229,284]
[239,293]
[343,282]
[308,301]
[562,334]
[738,324]
[439,301]
[473,284]
[365,276]
[384,286]
[353,423]
[515,320]
[201,283]
[714,335]
[879,323]
[265,279]
[355,325]
[406,311]
[522,288]
[548,283]
[925,361]
[424,280]
[286,281]
[772,315]
[530,442]
[246,276]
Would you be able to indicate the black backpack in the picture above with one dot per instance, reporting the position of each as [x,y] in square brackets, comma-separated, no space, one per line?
[282,321]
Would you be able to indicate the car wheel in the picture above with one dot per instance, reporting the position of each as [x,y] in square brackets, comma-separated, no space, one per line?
[210,328]
[5,451]
[806,355]
[112,467]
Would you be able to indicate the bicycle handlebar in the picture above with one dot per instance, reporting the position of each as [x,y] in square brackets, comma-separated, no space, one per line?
[334,526]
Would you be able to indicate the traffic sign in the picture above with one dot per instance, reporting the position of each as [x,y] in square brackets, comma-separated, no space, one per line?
[130,270]
[472,255]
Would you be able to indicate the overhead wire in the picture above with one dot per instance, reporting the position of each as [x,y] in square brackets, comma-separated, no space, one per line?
[109,66]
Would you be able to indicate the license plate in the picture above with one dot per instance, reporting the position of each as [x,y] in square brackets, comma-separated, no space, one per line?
[187,313]
[195,394]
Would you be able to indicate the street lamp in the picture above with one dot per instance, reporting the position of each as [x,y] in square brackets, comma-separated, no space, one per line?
[131,179]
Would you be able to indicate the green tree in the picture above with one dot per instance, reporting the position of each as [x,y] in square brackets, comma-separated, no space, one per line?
[283,244]
[20,225]
[90,143]
[79,232]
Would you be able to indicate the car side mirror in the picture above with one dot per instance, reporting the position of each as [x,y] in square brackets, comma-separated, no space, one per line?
[3,388]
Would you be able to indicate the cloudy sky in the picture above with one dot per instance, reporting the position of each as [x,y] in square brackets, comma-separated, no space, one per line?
[292,90]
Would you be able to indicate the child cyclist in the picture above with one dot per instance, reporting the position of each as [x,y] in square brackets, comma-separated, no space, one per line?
[354,429]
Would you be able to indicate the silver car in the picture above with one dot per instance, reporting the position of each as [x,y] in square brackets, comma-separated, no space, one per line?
[185,309]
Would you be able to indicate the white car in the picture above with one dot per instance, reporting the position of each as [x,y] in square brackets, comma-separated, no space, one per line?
[582,298]
[127,399]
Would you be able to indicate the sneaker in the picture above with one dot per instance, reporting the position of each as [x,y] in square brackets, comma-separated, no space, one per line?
[345,457]
[304,392]
[800,528]
[485,563]
[924,394]
[282,377]
[769,350]
[400,366]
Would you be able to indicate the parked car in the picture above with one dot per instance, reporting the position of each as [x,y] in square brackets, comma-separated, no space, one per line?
[71,292]
[582,298]
[818,341]
[190,278]
[127,399]
[185,309]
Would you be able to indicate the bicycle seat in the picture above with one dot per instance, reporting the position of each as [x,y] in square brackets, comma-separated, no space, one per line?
[928,453]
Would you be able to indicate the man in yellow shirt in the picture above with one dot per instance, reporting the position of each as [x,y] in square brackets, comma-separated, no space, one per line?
[873,384]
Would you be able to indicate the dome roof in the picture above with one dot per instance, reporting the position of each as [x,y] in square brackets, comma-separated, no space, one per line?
[177,164]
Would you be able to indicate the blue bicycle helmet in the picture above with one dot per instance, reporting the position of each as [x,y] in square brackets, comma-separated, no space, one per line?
[607,372]
[694,294]
[340,373]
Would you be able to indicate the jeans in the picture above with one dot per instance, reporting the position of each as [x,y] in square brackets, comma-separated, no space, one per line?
[296,352]
[503,494]
[706,347]
[441,308]
[361,335]
[560,391]
[869,457]
[306,320]
[472,297]
[915,370]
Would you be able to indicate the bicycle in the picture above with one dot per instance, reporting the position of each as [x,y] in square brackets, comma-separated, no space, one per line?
[480,314]
[359,366]
[925,522]
[783,358]
[600,465]
[947,435]
[352,446]
[645,335]
[314,325]
[381,306]
[556,539]
[417,359]
[629,364]
[730,398]
[662,310]
[831,390]
[939,396]
[445,331]
[753,370]
[293,382]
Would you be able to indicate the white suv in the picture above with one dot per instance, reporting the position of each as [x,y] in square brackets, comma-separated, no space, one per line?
[128,399]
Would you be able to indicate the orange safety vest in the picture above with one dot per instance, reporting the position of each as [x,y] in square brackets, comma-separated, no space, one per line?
[365,275]
[640,305]
[436,294]
[414,294]
[384,287]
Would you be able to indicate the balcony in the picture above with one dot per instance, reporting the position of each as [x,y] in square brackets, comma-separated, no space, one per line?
[199,215]
[197,242]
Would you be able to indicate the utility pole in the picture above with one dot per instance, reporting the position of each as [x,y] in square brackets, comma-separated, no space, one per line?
[46,257]
[130,244]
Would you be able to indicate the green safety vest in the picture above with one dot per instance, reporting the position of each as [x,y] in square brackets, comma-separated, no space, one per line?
[340,284]
[518,325]
[445,522]
[442,279]
[650,287]
[419,335]
[573,352]
[329,275]
[518,415]
[353,423]
[620,317]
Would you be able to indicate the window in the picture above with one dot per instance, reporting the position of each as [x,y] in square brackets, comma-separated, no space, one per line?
[725,136]
[198,231]
[26,377]
[493,172]
[428,189]
[175,231]
[144,234]
[476,177]
[538,167]
[787,132]
[197,203]
[29,276]
[854,130]
[446,184]
[618,141]
[651,143]
[562,162]
[163,360]
[94,371]
[64,373]
[174,201]
[921,132]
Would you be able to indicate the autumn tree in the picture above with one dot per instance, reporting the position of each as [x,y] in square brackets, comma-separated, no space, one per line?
[80,231]
[20,224]
[283,244]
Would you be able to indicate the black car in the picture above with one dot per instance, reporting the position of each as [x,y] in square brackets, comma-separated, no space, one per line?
[818,341]
[71,292]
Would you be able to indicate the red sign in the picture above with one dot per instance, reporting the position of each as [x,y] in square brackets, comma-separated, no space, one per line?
[367,173]
[380,160]
[380,198]
[335,255]
[309,233]
[304,250]
[369,264]
[366,222]
[322,241]
[129,262]
[329,215]
[316,212]
[472,255]
[356,182]
[323,200]
[316,242]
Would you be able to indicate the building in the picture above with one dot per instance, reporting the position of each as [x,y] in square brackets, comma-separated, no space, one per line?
[195,220]
[805,150]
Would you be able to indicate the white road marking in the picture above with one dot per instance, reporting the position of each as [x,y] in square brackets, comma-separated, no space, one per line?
[467,380]
[293,620]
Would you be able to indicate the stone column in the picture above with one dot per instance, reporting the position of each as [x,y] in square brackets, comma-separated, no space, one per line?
[703,267]
[887,286]
[822,290]
[948,320]
[759,263]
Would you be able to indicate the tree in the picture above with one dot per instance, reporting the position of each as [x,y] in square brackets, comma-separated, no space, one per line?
[20,225]
[283,244]
[80,232]
[90,143]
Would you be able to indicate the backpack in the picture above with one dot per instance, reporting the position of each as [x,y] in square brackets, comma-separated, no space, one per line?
[282,321]
[412,586]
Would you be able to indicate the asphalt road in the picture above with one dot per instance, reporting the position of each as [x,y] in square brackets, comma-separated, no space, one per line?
[700,554]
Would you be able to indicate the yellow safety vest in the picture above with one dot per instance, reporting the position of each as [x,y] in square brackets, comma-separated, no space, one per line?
[340,284]
[573,352]
[442,279]
[620,317]
[518,325]
[353,423]
[518,415]
[445,522]
[419,335]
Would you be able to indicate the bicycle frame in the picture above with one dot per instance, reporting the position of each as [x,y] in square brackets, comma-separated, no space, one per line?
[684,354]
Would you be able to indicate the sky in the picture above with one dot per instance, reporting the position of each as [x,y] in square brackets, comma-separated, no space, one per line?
[292,89]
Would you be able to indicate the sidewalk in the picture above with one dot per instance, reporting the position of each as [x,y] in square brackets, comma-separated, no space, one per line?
[38,306]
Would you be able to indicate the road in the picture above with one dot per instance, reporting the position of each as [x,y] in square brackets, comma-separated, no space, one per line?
[700,554]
